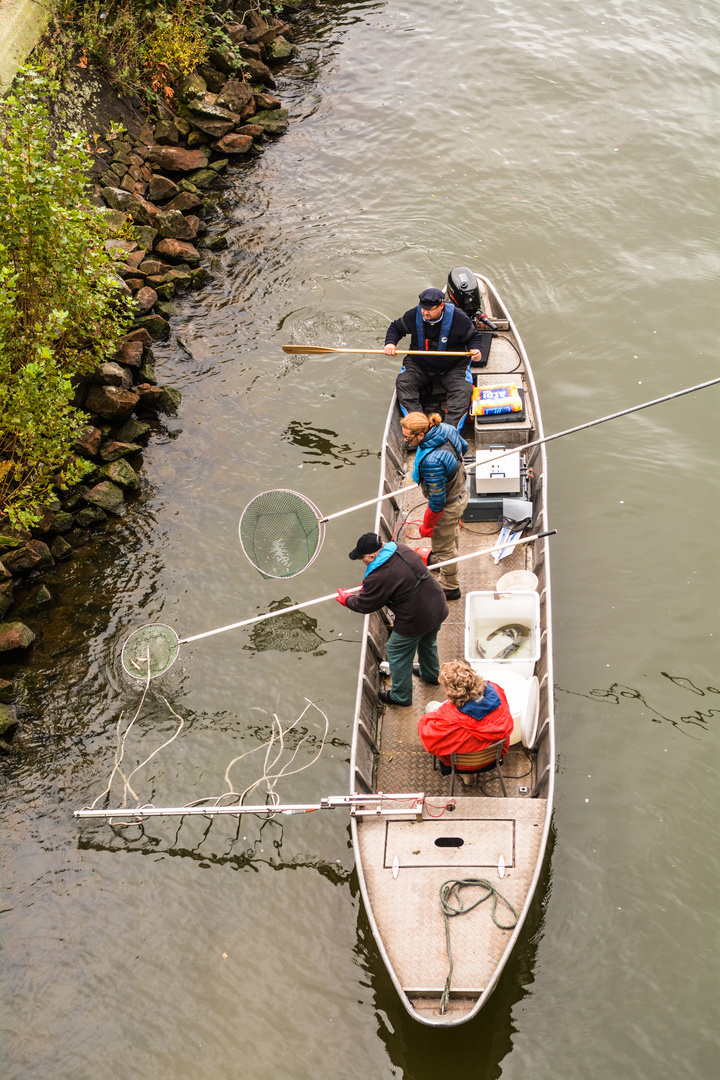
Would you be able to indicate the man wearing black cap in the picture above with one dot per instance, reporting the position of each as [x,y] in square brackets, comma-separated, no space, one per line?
[435,326]
[396,577]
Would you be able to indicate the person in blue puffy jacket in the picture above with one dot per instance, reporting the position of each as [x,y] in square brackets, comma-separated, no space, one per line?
[440,472]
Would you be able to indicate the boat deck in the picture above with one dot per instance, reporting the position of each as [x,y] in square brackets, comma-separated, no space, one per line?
[403,764]
[489,828]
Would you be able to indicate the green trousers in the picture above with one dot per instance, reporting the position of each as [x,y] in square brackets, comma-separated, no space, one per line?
[401,654]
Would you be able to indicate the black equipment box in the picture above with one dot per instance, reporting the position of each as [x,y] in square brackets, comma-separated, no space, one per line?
[482,507]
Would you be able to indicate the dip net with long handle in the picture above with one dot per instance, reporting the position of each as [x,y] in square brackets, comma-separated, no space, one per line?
[281,533]
[149,651]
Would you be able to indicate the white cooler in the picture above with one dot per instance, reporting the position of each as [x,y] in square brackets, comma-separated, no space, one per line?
[486,612]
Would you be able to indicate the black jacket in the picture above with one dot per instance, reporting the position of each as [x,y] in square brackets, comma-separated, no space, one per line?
[463,336]
[391,584]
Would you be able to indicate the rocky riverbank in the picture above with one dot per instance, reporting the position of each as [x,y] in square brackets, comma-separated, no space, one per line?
[156,178]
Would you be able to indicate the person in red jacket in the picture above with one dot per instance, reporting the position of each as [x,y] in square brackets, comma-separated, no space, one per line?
[475,715]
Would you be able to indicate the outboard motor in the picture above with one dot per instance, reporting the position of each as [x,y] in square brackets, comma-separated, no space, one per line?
[464,291]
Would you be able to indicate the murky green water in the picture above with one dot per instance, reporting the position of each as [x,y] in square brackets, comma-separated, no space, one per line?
[569,152]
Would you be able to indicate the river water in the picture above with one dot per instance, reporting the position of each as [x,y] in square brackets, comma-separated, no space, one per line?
[569,152]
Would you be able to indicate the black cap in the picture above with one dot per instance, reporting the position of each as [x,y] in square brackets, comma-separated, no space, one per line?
[368,544]
[431,297]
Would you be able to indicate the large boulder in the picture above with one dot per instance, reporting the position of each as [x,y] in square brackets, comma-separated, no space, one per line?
[139,209]
[161,188]
[235,96]
[15,635]
[184,201]
[145,299]
[122,474]
[264,102]
[214,128]
[132,431]
[192,88]
[130,353]
[107,496]
[281,49]
[111,374]
[157,327]
[272,121]
[203,178]
[234,144]
[33,555]
[111,402]
[113,449]
[172,224]
[178,251]
[259,72]
[88,443]
[155,399]
[223,59]
[166,133]
[176,159]
[60,548]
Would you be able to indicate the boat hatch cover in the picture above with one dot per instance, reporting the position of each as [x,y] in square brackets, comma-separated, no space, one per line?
[484,842]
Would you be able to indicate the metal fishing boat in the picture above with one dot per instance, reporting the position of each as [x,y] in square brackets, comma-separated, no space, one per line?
[496,831]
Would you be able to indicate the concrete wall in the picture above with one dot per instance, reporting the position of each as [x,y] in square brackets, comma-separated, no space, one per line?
[21,24]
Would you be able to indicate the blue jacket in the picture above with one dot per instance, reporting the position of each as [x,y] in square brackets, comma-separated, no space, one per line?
[436,464]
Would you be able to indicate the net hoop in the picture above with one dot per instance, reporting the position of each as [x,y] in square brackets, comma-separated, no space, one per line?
[154,640]
[281,533]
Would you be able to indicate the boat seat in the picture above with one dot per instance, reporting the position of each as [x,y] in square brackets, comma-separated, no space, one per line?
[523,695]
[478,761]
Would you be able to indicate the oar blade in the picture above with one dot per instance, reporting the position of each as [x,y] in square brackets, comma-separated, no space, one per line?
[306,350]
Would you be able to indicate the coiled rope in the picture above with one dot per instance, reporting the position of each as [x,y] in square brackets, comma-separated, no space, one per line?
[450,890]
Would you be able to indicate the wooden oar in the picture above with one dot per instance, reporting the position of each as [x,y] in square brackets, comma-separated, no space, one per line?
[310,350]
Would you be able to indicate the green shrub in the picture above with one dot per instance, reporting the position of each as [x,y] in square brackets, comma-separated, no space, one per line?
[61,306]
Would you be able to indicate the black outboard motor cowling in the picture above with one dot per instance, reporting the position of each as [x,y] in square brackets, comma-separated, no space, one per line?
[464,291]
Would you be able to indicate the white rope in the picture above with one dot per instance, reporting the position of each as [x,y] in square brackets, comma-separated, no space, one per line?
[120,747]
[269,777]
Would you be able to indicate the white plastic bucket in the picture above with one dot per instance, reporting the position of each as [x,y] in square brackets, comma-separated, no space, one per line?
[522,580]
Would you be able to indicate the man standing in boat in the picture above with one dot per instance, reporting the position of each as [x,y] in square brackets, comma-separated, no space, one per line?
[396,577]
[436,326]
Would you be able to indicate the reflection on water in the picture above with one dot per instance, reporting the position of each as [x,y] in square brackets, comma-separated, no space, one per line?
[296,632]
[617,694]
[321,450]
[254,844]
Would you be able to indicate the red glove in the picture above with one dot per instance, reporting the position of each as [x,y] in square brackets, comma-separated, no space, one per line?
[342,596]
[429,522]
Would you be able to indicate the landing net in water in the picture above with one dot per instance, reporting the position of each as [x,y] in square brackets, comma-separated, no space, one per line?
[281,532]
[149,651]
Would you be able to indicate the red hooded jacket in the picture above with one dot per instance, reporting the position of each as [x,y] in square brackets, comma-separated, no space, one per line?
[450,731]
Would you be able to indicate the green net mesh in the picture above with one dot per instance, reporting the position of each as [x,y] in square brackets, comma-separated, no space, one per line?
[153,645]
[281,533]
